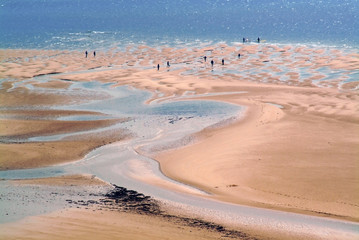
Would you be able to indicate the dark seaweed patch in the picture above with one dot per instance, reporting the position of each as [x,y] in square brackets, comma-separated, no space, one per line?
[124,200]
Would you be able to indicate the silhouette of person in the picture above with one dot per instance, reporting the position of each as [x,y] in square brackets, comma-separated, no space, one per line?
[158,67]
[94,54]
[222,61]
[244,40]
[239,55]
[259,40]
[168,63]
[86,54]
[205,58]
[212,62]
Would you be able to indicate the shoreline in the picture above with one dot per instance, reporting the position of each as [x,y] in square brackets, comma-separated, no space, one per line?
[170,168]
[173,215]
[198,218]
[246,162]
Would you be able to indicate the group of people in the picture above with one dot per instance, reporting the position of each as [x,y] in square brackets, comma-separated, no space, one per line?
[168,65]
[248,40]
[212,62]
[94,54]
[205,57]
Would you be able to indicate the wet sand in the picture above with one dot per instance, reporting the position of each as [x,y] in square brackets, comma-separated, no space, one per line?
[295,149]
[94,213]
[27,114]
[87,224]
[273,158]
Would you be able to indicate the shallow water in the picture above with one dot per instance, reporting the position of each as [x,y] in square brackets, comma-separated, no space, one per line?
[74,25]
[154,127]
[83,24]
[19,201]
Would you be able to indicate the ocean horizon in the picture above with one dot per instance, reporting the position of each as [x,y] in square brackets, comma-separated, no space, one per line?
[84,24]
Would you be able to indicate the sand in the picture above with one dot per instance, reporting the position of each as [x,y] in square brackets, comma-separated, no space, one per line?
[276,158]
[296,148]
[104,221]
[68,180]
[87,224]
[25,114]
[48,153]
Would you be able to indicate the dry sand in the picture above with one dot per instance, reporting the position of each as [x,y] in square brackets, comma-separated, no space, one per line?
[284,159]
[296,149]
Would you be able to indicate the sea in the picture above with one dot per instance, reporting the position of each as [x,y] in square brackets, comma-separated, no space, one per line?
[106,24]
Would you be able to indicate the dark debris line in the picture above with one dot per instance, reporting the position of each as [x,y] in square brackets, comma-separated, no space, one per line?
[124,200]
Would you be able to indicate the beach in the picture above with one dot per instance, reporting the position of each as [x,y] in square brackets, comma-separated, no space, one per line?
[292,146]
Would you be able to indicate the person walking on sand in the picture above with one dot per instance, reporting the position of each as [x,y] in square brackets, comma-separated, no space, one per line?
[158,67]
[168,64]
[258,40]
[94,53]
[86,54]
[205,58]
[239,55]
[222,61]
[212,62]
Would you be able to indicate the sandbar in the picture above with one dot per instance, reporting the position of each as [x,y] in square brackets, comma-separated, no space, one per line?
[295,149]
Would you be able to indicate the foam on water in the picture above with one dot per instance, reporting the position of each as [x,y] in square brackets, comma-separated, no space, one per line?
[128,103]
[111,24]
[85,24]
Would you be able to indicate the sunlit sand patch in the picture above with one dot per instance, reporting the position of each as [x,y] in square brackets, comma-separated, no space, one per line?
[283,58]
[52,84]
[141,171]
[350,86]
[67,180]
[293,75]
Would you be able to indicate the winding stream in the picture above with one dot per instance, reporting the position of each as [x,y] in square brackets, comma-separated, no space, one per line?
[159,126]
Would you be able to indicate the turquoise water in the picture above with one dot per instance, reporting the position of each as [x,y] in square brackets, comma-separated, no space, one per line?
[154,126]
[141,118]
[128,102]
[92,24]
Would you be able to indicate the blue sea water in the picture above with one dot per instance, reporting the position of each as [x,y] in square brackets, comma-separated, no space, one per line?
[79,24]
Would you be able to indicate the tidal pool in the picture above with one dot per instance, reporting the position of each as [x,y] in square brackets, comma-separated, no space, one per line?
[156,127]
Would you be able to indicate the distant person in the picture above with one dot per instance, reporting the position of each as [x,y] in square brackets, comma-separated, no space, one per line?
[86,53]
[168,63]
[94,53]
[258,40]
[239,55]
[212,63]
[158,67]
[205,58]
[222,61]
[244,40]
